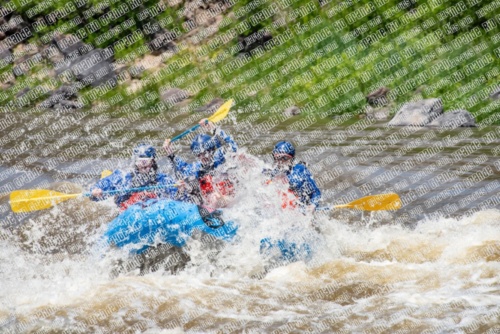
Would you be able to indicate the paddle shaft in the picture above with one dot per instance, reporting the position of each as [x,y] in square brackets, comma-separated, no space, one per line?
[113,192]
[188,131]
[219,115]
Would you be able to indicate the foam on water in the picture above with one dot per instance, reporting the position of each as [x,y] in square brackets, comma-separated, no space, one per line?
[440,276]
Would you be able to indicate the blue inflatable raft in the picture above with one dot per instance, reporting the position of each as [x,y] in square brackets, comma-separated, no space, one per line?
[156,231]
[169,222]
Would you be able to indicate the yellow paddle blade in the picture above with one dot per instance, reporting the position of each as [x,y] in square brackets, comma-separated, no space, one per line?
[36,199]
[375,203]
[222,112]
[106,173]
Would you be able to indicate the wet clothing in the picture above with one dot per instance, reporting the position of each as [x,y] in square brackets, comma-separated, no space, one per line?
[121,180]
[204,174]
[196,169]
[301,184]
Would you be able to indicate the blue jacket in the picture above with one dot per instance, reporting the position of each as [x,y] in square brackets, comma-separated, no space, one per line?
[121,180]
[196,169]
[302,184]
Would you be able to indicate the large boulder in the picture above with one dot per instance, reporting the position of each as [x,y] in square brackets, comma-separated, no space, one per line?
[418,113]
[62,98]
[454,119]
[93,65]
[74,59]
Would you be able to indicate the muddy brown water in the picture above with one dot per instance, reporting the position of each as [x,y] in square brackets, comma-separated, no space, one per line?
[430,267]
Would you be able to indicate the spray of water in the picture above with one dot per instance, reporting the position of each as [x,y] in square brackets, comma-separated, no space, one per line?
[441,275]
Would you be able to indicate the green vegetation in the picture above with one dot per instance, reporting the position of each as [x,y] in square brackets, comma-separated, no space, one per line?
[323,58]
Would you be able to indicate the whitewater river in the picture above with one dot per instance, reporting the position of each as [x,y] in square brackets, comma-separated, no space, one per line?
[431,267]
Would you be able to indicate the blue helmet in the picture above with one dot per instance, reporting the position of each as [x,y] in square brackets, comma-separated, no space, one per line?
[284,147]
[202,143]
[144,151]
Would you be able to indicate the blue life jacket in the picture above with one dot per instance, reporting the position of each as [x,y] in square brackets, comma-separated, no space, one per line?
[302,184]
[121,180]
[196,169]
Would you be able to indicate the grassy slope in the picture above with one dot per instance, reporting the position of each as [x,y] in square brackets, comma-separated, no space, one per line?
[324,71]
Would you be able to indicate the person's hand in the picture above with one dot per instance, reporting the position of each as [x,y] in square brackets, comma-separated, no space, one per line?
[168,147]
[207,125]
[97,192]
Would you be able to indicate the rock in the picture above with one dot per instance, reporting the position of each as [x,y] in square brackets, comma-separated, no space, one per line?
[98,72]
[6,57]
[495,95]
[418,113]
[25,49]
[173,95]
[18,71]
[60,98]
[134,86]
[15,24]
[66,91]
[65,105]
[136,71]
[22,92]
[24,63]
[378,98]
[69,45]
[163,41]
[454,119]
[291,111]
[148,62]
[74,59]
[254,40]
[211,106]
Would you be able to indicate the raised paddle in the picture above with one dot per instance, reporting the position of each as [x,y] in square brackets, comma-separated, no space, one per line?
[40,199]
[106,173]
[381,202]
[219,115]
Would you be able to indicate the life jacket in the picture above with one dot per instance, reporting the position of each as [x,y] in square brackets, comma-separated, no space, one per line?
[288,198]
[137,197]
[225,187]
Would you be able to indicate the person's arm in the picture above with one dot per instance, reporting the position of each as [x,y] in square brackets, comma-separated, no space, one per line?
[109,183]
[316,193]
[218,134]
[226,138]
[303,184]
[166,183]
[181,167]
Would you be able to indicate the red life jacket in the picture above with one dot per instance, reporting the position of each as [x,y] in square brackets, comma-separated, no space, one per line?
[288,198]
[137,197]
[225,187]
